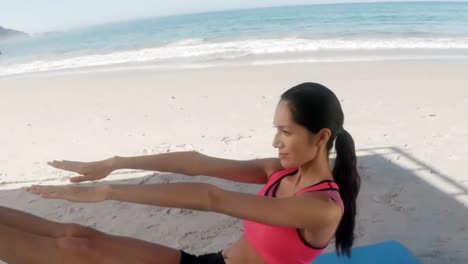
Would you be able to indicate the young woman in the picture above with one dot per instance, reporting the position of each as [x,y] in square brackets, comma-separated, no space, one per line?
[304,202]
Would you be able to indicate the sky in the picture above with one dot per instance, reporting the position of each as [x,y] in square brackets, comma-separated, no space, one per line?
[48,15]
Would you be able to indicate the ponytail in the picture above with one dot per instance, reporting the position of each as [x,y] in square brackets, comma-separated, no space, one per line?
[348,180]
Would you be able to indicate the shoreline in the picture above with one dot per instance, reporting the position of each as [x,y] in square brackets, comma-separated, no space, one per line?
[318,57]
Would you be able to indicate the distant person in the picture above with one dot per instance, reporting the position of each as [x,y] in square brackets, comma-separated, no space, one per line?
[304,202]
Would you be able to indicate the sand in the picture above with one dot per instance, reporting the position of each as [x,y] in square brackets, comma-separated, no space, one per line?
[407,119]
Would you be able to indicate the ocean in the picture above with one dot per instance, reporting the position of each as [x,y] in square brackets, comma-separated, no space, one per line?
[314,33]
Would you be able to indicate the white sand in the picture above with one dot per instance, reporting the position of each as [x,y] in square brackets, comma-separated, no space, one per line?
[408,120]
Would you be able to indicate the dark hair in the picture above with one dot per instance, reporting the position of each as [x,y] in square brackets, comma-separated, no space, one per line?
[316,107]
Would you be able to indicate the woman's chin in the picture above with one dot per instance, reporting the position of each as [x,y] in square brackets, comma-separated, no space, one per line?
[285,164]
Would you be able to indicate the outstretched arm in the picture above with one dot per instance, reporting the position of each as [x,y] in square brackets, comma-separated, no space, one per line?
[194,163]
[309,210]
[186,162]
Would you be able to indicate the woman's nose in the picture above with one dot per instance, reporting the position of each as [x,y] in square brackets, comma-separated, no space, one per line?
[276,142]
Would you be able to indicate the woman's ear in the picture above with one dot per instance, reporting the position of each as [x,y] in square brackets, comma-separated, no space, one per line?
[323,136]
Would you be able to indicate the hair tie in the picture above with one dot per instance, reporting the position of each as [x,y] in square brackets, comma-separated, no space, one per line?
[339,130]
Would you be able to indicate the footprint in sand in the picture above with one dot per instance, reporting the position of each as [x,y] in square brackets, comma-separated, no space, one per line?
[228,140]
[177,211]
[186,240]
[390,199]
[165,147]
[204,238]
[360,231]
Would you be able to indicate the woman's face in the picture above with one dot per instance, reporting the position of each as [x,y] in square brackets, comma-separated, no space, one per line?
[294,142]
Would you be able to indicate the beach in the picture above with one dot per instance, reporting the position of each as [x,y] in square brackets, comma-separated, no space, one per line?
[407,118]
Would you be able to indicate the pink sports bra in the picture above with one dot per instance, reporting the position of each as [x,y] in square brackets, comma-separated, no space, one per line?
[285,245]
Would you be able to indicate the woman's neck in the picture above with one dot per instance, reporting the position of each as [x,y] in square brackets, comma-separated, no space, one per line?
[312,172]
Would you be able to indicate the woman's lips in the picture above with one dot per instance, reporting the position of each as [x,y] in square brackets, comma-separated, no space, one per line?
[282,155]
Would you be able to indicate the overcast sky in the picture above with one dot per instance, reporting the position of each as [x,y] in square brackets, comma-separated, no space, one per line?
[48,15]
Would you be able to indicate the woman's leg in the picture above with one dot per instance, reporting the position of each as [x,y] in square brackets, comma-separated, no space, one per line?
[73,242]
[147,252]
[18,247]
[30,223]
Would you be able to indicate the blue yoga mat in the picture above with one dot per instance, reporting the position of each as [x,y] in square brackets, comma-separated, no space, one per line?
[390,252]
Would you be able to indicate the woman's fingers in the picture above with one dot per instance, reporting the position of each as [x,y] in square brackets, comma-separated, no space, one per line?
[75,166]
[46,191]
[67,165]
[37,189]
[33,189]
[83,178]
[70,193]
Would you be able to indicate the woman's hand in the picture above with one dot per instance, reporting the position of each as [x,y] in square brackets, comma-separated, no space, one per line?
[90,171]
[79,194]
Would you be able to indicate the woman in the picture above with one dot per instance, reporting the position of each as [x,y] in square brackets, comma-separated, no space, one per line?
[302,206]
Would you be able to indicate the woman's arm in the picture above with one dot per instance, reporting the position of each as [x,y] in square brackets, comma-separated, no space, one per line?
[187,162]
[194,163]
[309,210]
[195,196]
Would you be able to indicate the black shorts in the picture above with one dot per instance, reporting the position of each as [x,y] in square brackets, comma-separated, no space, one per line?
[212,258]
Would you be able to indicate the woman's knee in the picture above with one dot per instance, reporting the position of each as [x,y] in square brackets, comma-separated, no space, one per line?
[76,230]
[74,243]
